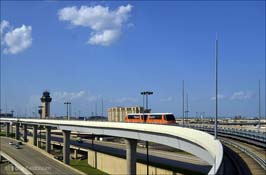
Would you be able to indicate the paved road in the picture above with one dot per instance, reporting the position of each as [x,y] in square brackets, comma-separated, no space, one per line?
[6,169]
[33,160]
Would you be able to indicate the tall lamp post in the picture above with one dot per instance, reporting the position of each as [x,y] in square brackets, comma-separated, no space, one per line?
[259,107]
[67,103]
[147,93]
[143,93]
[216,89]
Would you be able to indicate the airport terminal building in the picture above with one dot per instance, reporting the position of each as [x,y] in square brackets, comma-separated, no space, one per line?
[118,114]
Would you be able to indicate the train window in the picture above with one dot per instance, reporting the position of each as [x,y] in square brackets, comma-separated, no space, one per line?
[133,117]
[169,117]
[155,117]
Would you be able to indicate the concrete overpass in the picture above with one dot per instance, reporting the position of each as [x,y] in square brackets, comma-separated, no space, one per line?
[193,141]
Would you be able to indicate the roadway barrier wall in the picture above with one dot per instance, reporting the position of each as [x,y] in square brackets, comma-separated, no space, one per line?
[116,165]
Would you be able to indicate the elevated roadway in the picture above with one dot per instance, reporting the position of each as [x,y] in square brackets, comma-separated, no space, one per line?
[189,140]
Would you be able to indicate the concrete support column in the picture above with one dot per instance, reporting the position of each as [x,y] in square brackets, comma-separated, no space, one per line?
[25,133]
[131,145]
[13,168]
[75,154]
[48,139]
[7,129]
[35,128]
[66,147]
[17,131]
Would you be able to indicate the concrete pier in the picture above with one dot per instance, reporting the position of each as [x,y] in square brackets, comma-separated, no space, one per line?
[35,128]
[75,154]
[25,133]
[13,168]
[7,129]
[131,145]
[66,147]
[17,131]
[48,139]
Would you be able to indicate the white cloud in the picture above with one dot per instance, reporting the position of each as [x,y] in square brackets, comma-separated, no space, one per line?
[104,38]
[106,24]
[81,95]
[241,95]
[4,25]
[63,96]
[168,99]
[15,40]
[124,100]
[220,97]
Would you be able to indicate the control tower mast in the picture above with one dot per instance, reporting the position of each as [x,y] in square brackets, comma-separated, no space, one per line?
[46,100]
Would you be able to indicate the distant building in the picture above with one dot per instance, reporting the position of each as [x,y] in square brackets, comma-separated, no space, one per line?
[9,115]
[238,117]
[118,114]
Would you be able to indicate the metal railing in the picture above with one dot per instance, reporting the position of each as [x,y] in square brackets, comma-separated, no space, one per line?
[253,135]
[255,157]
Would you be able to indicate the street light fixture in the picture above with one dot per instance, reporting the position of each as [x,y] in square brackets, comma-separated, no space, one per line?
[147,93]
[67,103]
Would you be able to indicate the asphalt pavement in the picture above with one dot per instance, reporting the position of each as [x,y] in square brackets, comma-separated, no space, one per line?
[33,160]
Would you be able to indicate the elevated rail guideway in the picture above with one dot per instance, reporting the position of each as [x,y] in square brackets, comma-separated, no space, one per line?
[198,143]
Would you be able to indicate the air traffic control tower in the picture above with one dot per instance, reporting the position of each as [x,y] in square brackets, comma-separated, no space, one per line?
[46,100]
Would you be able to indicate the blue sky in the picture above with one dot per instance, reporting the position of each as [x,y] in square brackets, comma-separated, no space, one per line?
[150,46]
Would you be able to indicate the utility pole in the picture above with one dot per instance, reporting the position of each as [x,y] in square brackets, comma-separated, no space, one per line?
[259,105]
[216,88]
[68,109]
[102,106]
[96,113]
[183,106]
[187,111]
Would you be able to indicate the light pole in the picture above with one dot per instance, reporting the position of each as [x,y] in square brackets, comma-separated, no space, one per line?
[143,93]
[216,89]
[183,101]
[259,105]
[147,93]
[186,112]
[67,103]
